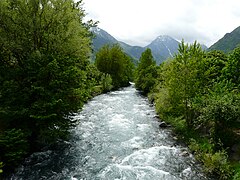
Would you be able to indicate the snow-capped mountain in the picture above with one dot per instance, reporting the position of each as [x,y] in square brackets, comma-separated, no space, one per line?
[162,47]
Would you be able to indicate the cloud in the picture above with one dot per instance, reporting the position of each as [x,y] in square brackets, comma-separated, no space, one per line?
[138,22]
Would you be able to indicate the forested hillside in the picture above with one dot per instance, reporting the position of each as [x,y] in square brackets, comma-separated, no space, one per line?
[229,42]
[197,92]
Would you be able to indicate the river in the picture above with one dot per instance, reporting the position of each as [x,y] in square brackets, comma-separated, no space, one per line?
[117,138]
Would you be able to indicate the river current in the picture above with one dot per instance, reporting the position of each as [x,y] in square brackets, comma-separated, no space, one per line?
[117,138]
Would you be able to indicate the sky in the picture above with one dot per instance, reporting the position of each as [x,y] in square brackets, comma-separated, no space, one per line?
[138,22]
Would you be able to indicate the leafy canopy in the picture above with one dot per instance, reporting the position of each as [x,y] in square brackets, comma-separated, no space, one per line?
[113,61]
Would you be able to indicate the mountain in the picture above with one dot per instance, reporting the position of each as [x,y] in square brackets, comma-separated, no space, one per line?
[204,47]
[134,51]
[101,38]
[229,42]
[162,47]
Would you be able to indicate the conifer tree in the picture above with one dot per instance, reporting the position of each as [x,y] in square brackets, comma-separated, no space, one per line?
[146,72]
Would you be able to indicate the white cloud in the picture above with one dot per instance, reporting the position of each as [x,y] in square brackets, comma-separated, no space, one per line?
[138,22]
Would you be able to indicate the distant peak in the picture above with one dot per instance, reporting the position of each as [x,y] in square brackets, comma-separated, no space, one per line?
[164,38]
[95,29]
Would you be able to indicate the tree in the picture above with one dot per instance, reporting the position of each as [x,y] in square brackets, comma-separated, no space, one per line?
[44,52]
[13,144]
[182,79]
[219,112]
[113,61]
[146,72]
[232,69]
[211,69]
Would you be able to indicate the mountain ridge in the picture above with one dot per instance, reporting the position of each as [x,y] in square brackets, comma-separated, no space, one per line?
[162,47]
[228,42]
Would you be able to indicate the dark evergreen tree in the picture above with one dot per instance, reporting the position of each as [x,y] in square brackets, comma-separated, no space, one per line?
[146,72]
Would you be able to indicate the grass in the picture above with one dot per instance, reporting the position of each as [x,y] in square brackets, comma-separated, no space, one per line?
[214,162]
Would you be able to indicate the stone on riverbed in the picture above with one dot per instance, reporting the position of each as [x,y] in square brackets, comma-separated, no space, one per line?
[163,125]
[184,154]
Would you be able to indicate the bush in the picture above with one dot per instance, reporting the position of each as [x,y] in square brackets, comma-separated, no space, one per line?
[236,175]
[219,111]
[165,105]
[106,82]
[215,163]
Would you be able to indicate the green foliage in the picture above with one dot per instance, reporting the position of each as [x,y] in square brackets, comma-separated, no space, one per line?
[182,80]
[232,70]
[179,124]
[219,111]
[45,74]
[113,61]
[93,75]
[198,94]
[217,163]
[214,162]
[229,42]
[106,82]
[146,72]
[13,146]
[236,175]
[1,166]
[211,68]
[164,104]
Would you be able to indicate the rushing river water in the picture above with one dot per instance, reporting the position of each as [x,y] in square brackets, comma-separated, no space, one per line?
[118,138]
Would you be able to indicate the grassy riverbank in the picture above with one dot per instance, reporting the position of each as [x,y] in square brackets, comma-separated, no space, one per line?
[198,94]
[218,161]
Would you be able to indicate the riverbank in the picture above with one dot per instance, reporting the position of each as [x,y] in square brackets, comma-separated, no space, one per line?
[19,145]
[217,164]
[197,92]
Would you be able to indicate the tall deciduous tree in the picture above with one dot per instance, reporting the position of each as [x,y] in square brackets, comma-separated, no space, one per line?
[113,61]
[183,78]
[44,51]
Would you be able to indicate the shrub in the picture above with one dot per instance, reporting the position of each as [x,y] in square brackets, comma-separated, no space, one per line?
[215,163]
[219,111]
[106,82]
[236,174]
